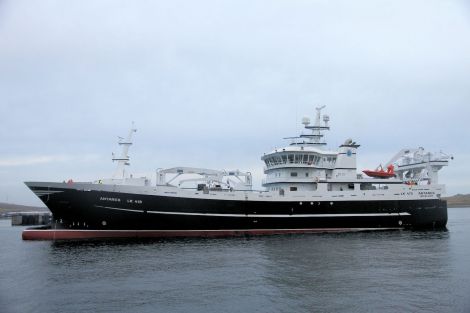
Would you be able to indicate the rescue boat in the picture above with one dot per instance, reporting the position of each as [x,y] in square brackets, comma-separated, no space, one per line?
[380,172]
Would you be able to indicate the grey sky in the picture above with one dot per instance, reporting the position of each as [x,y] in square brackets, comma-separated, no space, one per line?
[217,83]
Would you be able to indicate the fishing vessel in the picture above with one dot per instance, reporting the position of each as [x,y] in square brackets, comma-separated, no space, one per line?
[308,188]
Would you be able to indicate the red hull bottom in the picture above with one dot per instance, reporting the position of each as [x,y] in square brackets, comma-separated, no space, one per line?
[64,234]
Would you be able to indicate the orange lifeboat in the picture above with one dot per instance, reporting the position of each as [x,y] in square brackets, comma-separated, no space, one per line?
[380,172]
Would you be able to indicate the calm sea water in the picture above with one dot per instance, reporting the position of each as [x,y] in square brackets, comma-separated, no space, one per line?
[386,271]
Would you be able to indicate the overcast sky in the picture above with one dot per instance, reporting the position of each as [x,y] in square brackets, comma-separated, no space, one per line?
[217,83]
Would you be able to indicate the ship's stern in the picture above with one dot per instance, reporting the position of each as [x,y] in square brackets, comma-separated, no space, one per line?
[430,214]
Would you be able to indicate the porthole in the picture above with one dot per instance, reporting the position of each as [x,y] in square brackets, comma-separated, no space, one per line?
[103,223]
[331,203]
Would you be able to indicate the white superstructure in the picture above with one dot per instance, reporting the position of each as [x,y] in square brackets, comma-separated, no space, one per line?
[303,169]
[305,165]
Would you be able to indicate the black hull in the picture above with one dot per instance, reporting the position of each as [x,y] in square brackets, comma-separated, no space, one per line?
[99,210]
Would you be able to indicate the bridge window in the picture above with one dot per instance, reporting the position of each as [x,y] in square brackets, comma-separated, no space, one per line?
[293,188]
[293,174]
[316,160]
[275,162]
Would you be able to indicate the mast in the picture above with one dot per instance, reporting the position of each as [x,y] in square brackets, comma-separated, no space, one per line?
[123,160]
[317,129]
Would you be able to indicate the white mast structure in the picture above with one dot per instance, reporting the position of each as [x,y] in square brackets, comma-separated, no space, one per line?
[123,160]
[317,129]
[119,176]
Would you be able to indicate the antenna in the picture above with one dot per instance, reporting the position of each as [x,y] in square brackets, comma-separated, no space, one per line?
[316,130]
[305,121]
[317,119]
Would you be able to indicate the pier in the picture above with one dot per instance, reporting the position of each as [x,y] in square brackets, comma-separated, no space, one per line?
[30,218]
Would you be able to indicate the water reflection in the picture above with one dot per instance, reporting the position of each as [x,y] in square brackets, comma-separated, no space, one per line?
[386,271]
[351,271]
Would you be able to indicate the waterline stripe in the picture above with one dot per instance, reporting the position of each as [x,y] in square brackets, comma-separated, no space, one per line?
[260,215]
[210,230]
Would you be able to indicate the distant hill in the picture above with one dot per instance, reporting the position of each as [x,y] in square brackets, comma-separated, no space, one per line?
[9,207]
[458,200]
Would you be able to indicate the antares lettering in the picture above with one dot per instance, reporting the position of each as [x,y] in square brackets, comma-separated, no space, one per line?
[110,199]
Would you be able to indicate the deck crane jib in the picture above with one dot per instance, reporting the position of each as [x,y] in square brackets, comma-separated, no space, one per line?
[205,179]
